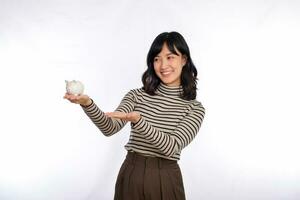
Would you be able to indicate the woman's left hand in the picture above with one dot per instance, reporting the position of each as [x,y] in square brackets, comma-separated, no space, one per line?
[132,116]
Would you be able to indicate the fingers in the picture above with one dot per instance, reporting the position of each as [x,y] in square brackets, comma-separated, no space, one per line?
[132,116]
[112,114]
[108,114]
[71,98]
[119,115]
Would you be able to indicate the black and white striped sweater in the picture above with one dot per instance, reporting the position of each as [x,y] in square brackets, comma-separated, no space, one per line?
[167,124]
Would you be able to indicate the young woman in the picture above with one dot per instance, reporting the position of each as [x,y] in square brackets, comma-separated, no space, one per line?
[165,117]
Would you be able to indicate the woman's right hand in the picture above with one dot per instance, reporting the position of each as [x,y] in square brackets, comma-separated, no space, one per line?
[80,99]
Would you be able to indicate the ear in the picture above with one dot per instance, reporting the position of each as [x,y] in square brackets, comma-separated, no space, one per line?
[184,60]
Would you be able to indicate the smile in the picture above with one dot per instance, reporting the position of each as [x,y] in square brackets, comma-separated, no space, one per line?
[166,73]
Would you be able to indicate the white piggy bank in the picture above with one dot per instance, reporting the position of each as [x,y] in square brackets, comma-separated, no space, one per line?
[74,87]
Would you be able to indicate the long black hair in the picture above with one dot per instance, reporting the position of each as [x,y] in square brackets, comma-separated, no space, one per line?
[189,72]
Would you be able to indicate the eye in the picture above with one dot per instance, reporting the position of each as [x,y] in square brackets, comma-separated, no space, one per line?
[170,57]
[155,59]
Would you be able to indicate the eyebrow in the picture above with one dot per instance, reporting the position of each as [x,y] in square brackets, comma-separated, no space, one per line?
[166,54]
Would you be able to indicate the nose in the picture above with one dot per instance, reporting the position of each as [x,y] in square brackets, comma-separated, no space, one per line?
[164,63]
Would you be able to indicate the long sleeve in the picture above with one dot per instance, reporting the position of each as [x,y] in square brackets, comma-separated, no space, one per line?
[109,126]
[183,134]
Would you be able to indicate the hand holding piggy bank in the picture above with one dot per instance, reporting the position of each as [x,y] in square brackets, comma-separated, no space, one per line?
[74,93]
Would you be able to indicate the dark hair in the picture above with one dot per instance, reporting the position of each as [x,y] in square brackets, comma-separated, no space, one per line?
[189,72]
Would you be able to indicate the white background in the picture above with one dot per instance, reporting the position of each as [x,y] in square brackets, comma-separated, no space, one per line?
[247,56]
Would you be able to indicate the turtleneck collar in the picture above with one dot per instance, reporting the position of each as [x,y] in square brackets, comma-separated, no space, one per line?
[164,89]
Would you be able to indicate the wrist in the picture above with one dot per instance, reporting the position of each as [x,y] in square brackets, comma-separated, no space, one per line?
[137,120]
[88,103]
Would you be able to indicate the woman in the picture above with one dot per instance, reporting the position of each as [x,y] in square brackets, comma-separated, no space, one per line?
[165,117]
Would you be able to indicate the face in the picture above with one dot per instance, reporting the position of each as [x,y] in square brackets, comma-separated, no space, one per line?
[168,66]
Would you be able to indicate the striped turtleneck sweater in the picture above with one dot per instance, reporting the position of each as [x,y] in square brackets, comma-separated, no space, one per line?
[168,123]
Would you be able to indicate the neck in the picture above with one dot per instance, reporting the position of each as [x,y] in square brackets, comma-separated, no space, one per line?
[169,90]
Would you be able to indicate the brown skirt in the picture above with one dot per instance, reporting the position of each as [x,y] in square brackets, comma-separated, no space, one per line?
[149,178]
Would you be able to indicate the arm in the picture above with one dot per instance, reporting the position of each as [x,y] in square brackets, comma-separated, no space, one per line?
[109,126]
[184,133]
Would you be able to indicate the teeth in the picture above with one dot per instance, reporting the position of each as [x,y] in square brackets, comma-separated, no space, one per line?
[165,73]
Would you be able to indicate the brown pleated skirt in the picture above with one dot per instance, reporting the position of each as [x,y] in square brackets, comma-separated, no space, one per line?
[149,178]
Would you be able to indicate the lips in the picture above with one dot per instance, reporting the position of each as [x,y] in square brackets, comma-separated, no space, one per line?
[166,73]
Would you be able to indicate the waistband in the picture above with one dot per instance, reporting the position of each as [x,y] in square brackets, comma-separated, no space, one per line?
[150,162]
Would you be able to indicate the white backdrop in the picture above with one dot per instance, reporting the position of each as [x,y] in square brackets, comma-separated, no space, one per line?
[247,56]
